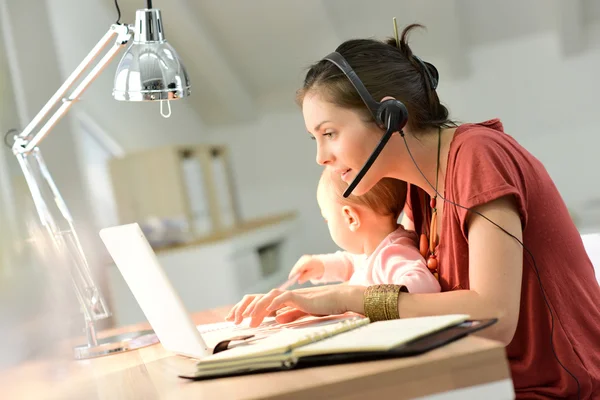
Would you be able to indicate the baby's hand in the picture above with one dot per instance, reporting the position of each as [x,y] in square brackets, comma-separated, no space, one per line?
[308,267]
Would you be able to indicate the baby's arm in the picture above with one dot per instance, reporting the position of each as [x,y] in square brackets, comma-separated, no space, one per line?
[338,267]
[401,264]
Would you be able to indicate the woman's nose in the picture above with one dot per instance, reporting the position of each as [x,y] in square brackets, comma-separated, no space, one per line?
[323,157]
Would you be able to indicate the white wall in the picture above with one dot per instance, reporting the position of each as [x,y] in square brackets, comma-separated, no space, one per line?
[275,171]
[547,102]
[8,120]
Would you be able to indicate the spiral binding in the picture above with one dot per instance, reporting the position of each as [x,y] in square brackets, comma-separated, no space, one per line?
[341,327]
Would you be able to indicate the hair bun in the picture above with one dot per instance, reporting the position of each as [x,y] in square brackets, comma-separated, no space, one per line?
[402,45]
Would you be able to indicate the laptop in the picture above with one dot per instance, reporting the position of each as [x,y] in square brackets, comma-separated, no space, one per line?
[165,311]
[147,280]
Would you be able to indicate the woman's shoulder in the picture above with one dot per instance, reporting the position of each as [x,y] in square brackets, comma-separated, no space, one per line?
[491,124]
[485,163]
[490,132]
[485,145]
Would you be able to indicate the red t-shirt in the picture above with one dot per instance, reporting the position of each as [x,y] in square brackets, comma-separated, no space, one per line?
[485,164]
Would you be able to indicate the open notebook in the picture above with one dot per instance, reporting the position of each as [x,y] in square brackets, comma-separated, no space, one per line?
[349,340]
[216,334]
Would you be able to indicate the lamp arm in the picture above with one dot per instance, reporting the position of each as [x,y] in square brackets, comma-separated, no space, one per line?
[25,142]
[52,210]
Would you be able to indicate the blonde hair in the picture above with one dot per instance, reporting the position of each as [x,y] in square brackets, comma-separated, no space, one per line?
[387,197]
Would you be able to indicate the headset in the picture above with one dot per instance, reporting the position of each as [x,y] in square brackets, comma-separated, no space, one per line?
[392,115]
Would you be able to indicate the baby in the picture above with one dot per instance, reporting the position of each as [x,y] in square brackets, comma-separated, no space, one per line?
[378,250]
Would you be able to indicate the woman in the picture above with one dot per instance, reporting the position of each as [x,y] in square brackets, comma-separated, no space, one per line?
[483,269]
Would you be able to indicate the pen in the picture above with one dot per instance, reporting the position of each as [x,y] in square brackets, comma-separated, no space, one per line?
[290,282]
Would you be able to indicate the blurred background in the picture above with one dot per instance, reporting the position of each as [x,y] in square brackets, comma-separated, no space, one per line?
[225,188]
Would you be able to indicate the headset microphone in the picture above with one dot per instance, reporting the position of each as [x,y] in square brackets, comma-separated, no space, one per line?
[392,126]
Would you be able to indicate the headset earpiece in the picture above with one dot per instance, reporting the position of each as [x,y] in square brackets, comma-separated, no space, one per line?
[392,114]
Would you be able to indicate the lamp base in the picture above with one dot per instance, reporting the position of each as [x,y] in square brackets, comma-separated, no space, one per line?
[116,344]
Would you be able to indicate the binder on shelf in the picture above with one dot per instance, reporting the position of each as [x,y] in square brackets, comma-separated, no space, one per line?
[190,187]
[195,186]
[223,190]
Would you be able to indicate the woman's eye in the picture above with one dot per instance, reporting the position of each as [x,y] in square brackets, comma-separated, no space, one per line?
[329,134]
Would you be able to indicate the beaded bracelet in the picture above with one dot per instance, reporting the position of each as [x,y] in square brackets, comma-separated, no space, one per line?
[381,302]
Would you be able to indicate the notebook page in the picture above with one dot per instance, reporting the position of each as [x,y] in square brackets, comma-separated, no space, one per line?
[219,331]
[381,335]
[282,342]
[245,324]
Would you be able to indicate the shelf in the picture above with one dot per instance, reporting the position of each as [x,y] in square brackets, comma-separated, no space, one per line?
[242,228]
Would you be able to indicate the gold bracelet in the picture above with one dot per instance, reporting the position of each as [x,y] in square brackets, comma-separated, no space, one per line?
[381,302]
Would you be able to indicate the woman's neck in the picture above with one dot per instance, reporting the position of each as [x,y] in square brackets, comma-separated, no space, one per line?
[424,150]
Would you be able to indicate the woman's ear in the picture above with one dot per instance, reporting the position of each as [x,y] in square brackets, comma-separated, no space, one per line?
[387,98]
[351,217]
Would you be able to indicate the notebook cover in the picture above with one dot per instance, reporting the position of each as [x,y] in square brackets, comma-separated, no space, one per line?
[413,348]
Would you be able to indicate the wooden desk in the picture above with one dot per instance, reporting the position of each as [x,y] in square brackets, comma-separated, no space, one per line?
[472,367]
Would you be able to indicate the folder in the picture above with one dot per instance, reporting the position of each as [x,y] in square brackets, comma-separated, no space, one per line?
[351,340]
[223,192]
[195,187]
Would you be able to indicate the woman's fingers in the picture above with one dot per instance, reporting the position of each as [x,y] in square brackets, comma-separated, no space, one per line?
[260,309]
[327,300]
[283,310]
[241,307]
[251,306]
[289,314]
[282,300]
[231,315]
[275,300]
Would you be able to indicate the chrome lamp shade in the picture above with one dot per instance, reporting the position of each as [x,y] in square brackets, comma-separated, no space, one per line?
[150,69]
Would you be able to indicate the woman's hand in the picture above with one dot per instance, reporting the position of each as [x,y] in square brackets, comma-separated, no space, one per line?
[326,300]
[243,309]
[308,267]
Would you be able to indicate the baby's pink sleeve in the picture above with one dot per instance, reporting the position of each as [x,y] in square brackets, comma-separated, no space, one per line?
[339,266]
[401,264]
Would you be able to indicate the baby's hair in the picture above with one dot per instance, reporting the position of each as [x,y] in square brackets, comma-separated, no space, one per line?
[387,197]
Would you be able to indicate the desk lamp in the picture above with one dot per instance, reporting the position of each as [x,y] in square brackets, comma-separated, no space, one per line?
[150,70]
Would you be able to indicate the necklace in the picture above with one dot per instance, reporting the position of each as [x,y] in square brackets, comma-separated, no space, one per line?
[427,247]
